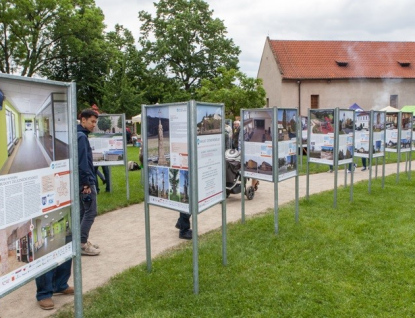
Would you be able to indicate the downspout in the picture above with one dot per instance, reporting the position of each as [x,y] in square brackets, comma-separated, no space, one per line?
[299,97]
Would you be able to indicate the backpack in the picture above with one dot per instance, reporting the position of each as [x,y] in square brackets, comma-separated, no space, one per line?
[132,165]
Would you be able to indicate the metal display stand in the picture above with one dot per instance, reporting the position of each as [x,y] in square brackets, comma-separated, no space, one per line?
[284,132]
[326,140]
[107,149]
[195,130]
[399,136]
[370,141]
[62,129]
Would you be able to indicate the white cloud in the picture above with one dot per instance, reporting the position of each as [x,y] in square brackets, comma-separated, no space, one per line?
[250,22]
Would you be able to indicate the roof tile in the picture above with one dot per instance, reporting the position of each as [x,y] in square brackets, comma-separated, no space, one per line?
[365,59]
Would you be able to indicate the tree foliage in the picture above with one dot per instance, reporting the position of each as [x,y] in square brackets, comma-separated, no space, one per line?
[123,87]
[186,42]
[104,123]
[234,89]
[32,30]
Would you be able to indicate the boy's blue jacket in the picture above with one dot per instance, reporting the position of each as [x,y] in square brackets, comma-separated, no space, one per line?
[85,163]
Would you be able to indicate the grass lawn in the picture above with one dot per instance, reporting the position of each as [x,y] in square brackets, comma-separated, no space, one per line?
[118,197]
[356,260]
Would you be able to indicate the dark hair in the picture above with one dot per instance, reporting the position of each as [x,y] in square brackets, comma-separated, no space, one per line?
[87,113]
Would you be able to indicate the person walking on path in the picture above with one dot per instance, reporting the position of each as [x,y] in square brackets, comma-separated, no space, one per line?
[87,181]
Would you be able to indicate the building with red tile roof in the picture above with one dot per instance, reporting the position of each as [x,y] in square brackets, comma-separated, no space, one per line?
[330,74]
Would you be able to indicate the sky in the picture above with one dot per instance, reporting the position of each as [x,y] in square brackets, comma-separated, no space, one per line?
[250,22]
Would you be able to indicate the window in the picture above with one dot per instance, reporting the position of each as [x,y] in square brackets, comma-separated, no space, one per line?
[314,101]
[394,101]
[267,102]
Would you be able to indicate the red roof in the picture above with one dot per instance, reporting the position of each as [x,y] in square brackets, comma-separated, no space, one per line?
[344,59]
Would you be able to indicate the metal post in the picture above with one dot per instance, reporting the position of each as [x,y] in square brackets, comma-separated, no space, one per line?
[76,220]
[223,203]
[399,145]
[299,141]
[193,200]
[243,181]
[144,171]
[336,151]
[308,156]
[125,159]
[275,166]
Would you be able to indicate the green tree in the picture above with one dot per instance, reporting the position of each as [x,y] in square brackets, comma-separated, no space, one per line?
[123,90]
[32,30]
[104,123]
[83,55]
[184,40]
[234,89]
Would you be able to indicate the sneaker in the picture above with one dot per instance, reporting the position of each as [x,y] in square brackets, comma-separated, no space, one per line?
[348,171]
[186,235]
[68,291]
[364,168]
[330,171]
[46,304]
[89,250]
[94,245]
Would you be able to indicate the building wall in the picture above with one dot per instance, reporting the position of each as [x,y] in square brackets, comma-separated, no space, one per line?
[271,76]
[367,93]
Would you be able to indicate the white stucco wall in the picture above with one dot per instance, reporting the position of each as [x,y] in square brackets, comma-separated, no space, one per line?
[368,94]
[270,75]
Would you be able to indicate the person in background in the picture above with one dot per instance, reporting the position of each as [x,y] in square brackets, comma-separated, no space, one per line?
[128,133]
[235,134]
[183,224]
[364,164]
[54,282]
[87,181]
[228,137]
[105,178]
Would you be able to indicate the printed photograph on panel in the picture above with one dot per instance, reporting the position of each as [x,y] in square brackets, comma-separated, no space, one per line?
[392,131]
[42,139]
[362,121]
[379,119]
[304,130]
[184,186]
[287,124]
[51,231]
[346,122]
[158,183]
[322,121]
[257,126]
[209,120]
[18,251]
[413,132]
[107,140]
[174,181]
[158,136]
[406,133]
[252,162]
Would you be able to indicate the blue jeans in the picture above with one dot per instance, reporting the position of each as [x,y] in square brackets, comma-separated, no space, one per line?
[54,281]
[88,212]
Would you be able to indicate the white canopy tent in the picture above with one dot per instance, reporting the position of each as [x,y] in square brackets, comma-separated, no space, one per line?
[390,109]
[136,119]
